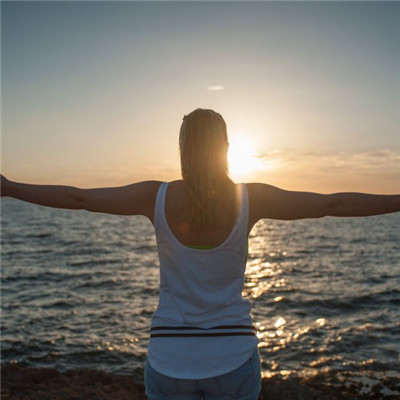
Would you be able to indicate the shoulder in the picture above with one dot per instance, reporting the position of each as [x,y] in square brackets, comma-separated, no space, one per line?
[144,195]
[264,200]
[149,186]
[145,189]
[176,189]
[176,183]
[259,191]
[267,201]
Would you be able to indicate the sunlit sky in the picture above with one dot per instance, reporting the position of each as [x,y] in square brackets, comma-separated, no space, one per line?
[93,93]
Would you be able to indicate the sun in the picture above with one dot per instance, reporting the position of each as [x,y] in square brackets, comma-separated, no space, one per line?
[243,158]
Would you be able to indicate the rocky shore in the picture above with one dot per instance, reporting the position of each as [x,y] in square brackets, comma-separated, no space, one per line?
[22,382]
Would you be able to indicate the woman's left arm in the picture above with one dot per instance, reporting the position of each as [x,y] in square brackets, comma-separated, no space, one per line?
[361,204]
[271,202]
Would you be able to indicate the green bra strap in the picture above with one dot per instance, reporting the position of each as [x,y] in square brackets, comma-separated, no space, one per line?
[213,247]
[202,247]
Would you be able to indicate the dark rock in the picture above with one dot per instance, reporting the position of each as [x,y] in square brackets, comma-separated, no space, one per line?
[22,382]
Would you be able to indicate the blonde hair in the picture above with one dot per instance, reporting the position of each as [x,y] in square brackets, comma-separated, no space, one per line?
[203,145]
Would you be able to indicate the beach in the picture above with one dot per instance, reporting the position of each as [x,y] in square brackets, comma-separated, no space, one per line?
[22,382]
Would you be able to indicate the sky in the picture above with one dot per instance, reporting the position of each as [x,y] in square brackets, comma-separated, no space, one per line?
[93,93]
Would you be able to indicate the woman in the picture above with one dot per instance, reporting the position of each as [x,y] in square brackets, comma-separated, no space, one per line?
[202,342]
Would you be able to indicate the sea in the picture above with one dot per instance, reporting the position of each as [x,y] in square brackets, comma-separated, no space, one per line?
[78,290]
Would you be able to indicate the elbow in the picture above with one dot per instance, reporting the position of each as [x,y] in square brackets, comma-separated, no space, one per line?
[332,207]
[78,200]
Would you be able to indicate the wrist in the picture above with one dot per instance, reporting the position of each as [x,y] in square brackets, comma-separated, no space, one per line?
[6,187]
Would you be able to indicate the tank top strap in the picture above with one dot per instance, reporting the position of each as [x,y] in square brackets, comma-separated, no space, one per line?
[240,227]
[244,203]
[159,208]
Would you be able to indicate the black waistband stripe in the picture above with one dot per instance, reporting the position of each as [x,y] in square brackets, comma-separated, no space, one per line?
[153,335]
[156,328]
[199,334]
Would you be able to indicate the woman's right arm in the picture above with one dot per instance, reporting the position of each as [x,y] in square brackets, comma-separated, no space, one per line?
[134,199]
[268,201]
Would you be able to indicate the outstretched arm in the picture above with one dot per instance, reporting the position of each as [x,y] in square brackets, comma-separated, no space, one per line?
[268,201]
[134,199]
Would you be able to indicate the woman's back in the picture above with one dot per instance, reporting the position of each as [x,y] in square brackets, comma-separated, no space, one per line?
[178,212]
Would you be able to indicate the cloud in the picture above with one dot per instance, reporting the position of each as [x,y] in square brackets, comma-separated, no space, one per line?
[373,161]
[216,87]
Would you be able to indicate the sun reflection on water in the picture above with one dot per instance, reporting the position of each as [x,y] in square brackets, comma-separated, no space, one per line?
[281,321]
[267,281]
[126,345]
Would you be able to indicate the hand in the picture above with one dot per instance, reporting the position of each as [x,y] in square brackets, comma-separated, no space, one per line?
[4,186]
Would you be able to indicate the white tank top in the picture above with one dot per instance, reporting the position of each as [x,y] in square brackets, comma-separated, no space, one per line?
[202,326]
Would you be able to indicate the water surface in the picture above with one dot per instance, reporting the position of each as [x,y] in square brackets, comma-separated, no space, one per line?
[79,290]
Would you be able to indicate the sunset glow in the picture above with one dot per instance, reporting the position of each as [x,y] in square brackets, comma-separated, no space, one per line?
[243,158]
[93,93]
